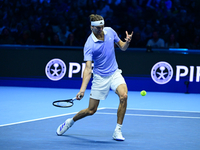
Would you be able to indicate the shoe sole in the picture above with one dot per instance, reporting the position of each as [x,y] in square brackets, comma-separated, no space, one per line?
[118,139]
[58,134]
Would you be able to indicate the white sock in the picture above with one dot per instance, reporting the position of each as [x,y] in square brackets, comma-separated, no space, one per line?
[118,127]
[71,121]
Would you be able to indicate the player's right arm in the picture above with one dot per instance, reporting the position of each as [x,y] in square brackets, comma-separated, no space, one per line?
[86,78]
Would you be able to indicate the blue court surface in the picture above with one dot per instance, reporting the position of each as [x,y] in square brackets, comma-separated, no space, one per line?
[157,121]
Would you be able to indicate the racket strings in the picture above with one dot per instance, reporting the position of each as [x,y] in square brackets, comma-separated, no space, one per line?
[63,104]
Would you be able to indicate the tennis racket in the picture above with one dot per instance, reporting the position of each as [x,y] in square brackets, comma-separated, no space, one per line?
[64,103]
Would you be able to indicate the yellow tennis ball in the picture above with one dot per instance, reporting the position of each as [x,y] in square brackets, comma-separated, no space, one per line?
[143,92]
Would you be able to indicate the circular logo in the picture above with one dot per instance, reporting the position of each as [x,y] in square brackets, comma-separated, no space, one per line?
[55,69]
[162,72]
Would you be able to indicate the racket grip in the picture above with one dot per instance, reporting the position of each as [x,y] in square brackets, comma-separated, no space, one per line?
[76,98]
[80,96]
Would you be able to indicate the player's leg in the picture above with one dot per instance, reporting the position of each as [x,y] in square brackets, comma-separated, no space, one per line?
[119,86]
[92,108]
[122,92]
[95,96]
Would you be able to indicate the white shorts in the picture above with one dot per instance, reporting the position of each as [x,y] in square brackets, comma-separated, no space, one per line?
[102,85]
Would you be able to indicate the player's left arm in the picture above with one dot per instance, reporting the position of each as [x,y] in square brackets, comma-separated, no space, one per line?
[124,45]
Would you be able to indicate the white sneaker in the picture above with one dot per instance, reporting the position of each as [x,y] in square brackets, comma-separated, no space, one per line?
[117,135]
[64,126]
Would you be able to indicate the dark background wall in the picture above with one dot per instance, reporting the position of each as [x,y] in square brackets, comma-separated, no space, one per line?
[26,67]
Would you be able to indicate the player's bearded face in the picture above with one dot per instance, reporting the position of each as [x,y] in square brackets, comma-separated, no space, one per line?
[98,29]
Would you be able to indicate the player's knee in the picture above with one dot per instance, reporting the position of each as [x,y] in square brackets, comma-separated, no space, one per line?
[91,112]
[123,98]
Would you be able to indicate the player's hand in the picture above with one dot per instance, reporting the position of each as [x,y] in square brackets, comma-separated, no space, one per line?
[128,37]
[80,95]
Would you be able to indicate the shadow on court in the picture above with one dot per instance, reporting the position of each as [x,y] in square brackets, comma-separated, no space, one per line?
[143,130]
[82,139]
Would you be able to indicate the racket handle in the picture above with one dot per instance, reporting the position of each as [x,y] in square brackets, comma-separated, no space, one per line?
[80,96]
[75,97]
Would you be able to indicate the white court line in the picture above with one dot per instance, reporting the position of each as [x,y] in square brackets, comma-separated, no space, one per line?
[162,116]
[37,119]
[157,110]
[42,118]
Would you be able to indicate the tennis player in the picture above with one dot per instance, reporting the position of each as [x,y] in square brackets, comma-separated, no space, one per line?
[99,48]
